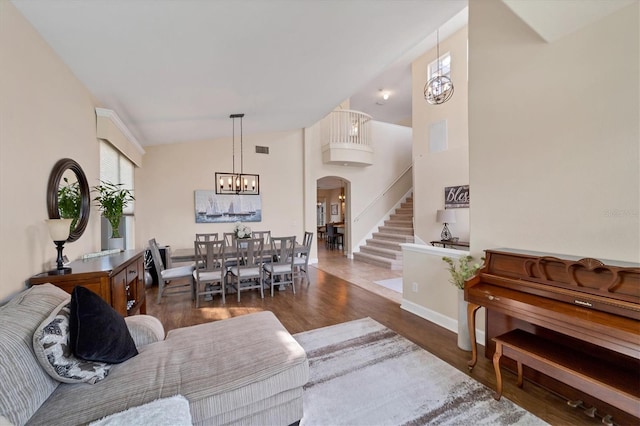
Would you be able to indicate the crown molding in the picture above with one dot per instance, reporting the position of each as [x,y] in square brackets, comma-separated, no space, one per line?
[111,115]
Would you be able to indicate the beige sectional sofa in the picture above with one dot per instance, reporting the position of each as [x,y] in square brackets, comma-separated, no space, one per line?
[243,370]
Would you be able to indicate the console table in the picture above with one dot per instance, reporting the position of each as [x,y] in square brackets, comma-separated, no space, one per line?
[117,278]
[450,243]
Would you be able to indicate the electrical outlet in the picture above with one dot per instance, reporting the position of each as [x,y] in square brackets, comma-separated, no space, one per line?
[414,287]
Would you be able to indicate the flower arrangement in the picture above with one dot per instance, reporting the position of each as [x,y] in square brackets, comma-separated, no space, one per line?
[461,271]
[241,230]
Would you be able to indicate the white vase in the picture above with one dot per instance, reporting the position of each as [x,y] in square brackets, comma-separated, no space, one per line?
[116,243]
[464,341]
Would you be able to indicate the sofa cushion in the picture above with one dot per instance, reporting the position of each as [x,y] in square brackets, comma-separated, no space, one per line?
[144,329]
[51,346]
[97,331]
[229,370]
[24,385]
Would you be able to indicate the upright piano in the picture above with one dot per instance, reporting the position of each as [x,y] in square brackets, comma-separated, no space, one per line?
[584,305]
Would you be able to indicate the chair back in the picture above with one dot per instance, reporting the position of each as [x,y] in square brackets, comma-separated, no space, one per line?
[306,242]
[249,251]
[155,255]
[207,237]
[229,239]
[331,230]
[209,255]
[307,239]
[283,250]
[265,235]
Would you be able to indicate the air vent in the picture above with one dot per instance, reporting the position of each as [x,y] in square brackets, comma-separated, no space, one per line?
[262,149]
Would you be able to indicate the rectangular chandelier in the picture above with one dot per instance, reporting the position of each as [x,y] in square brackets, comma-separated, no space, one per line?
[236,183]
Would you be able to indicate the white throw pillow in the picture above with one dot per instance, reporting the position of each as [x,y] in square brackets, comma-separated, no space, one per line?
[52,349]
[172,411]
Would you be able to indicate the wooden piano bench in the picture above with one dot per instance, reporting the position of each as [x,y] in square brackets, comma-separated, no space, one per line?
[608,383]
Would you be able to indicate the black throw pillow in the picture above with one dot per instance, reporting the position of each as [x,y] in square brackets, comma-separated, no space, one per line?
[96,331]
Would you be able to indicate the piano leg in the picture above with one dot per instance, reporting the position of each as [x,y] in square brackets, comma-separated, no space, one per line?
[472,308]
[519,382]
[496,366]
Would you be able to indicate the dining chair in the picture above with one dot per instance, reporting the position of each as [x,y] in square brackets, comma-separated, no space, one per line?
[229,238]
[230,242]
[210,275]
[280,270]
[213,236]
[167,276]
[301,259]
[247,273]
[265,235]
[330,237]
[206,237]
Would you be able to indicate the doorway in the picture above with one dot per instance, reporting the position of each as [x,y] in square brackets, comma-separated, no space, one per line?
[333,209]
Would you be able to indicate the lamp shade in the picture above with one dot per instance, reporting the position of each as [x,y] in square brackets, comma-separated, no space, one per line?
[59,228]
[446,216]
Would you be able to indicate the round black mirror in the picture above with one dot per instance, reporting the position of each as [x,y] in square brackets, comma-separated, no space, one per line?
[68,196]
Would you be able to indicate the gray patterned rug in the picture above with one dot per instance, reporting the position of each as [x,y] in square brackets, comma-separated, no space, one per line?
[362,373]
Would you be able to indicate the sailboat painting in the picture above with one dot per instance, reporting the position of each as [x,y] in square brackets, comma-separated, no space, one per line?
[215,208]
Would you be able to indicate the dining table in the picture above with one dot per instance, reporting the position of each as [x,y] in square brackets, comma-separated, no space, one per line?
[183,255]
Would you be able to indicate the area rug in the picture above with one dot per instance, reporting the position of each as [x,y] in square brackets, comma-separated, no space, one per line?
[362,373]
[394,284]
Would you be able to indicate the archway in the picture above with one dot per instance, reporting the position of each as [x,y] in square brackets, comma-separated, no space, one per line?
[333,207]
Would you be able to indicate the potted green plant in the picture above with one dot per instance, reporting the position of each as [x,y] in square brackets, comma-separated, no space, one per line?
[111,200]
[69,202]
[459,272]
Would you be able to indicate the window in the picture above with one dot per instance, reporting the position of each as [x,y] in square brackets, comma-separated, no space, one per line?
[441,66]
[116,168]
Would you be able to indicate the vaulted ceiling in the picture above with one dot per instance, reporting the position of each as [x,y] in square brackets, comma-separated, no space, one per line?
[174,70]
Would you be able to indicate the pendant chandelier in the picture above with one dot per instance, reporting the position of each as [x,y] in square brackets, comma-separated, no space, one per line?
[439,88]
[237,183]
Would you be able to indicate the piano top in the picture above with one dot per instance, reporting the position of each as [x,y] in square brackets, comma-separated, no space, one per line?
[619,263]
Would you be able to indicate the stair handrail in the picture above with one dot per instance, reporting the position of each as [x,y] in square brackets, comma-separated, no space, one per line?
[383,193]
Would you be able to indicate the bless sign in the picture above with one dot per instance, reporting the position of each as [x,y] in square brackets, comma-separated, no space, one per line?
[456,197]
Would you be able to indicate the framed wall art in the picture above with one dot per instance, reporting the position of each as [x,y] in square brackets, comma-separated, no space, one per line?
[217,208]
[456,197]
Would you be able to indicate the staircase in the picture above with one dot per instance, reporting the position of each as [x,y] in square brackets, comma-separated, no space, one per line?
[384,248]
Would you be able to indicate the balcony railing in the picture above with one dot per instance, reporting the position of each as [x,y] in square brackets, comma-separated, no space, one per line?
[346,138]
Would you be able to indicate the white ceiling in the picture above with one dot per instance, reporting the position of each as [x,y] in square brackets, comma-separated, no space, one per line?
[174,70]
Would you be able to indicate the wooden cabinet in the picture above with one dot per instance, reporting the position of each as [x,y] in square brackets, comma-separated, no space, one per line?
[117,278]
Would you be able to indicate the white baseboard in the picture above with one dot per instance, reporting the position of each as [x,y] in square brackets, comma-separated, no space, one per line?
[437,318]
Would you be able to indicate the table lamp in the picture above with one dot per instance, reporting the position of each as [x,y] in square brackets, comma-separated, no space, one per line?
[59,230]
[445,216]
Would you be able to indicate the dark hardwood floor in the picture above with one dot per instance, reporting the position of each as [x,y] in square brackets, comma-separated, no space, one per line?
[331,300]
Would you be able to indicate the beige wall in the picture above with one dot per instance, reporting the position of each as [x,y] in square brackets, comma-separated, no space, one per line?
[170,174]
[426,290]
[554,135]
[554,148]
[45,114]
[433,171]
